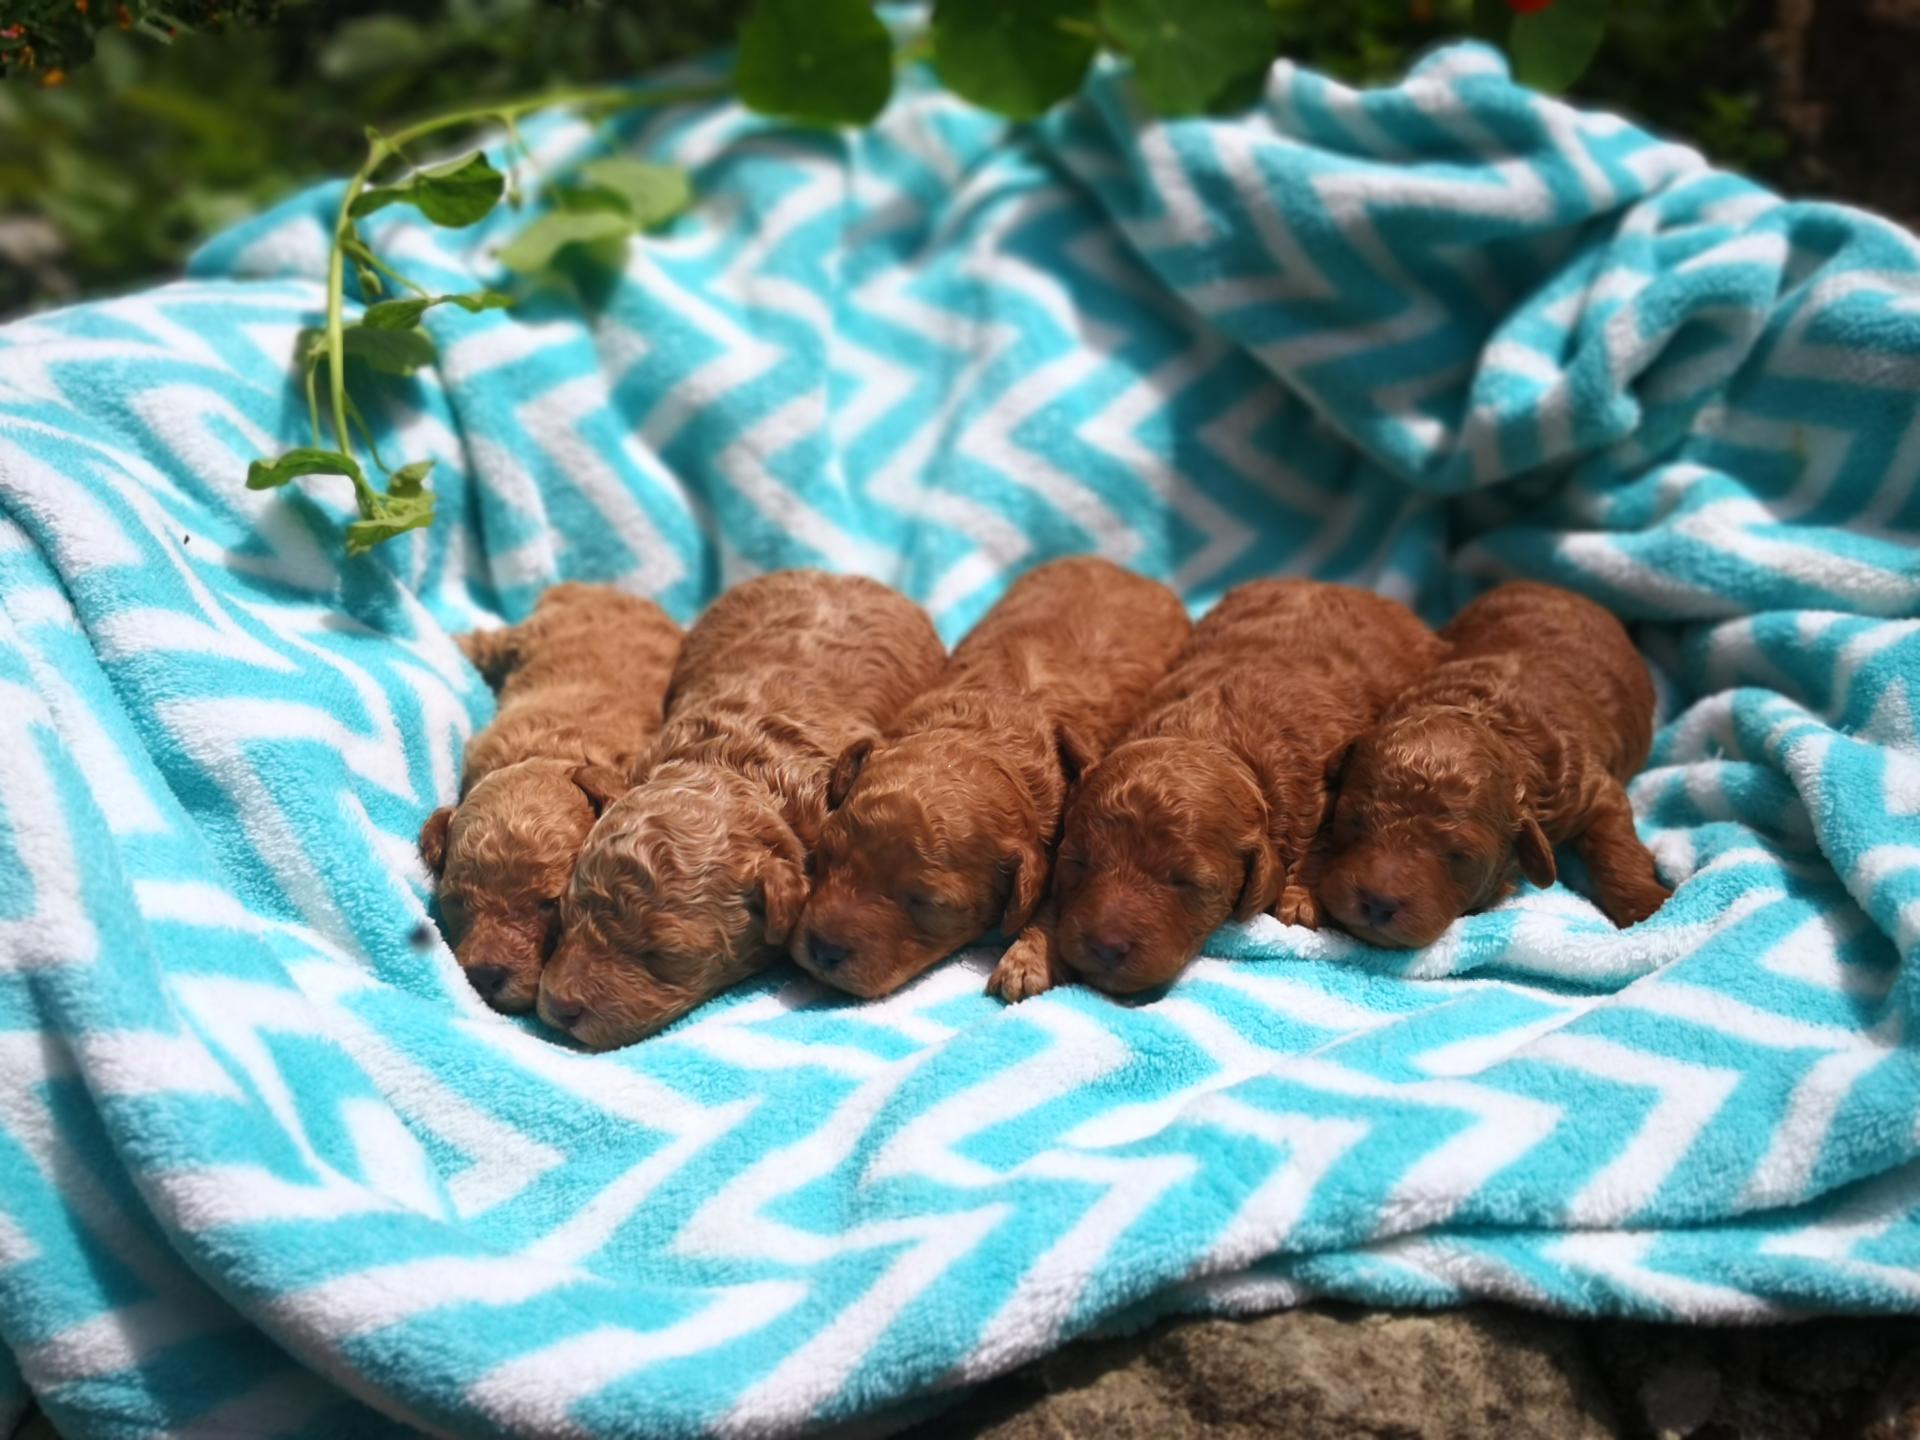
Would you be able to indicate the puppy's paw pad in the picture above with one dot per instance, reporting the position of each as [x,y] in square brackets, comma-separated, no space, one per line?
[1297,906]
[1023,972]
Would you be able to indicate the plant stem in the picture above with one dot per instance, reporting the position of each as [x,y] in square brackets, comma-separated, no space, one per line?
[382,147]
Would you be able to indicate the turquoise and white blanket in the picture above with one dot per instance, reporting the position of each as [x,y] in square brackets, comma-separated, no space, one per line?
[270,1169]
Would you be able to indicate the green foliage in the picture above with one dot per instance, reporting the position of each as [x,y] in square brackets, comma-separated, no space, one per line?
[1018,57]
[650,195]
[1185,54]
[536,247]
[825,61]
[271,474]
[458,193]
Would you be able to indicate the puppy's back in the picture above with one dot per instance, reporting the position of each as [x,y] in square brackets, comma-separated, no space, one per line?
[1572,659]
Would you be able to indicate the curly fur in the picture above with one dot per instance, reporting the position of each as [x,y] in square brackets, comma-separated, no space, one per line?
[582,681]
[944,829]
[1519,743]
[1212,804]
[691,881]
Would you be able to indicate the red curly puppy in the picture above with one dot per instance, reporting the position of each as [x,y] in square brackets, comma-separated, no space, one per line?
[581,683]
[692,880]
[944,829]
[1519,743]
[1210,806]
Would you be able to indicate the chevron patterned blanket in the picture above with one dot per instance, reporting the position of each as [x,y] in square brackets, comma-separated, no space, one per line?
[269,1168]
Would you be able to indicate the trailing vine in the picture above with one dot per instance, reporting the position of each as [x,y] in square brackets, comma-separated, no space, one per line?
[822,62]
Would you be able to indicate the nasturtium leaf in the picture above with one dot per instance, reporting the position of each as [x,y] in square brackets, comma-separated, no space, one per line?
[392,352]
[651,194]
[1014,57]
[535,247]
[393,519]
[454,194]
[1552,48]
[267,474]
[829,62]
[1185,53]
[405,314]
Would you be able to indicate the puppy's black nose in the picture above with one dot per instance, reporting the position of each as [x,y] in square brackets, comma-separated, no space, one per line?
[1376,910]
[487,979]
[565,1013]
[825,953]
[1109,950]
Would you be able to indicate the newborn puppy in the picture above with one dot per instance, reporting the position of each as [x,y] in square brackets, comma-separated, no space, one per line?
[1518,743]
[581,684]
[691,881]
[1211,804]
[944,829]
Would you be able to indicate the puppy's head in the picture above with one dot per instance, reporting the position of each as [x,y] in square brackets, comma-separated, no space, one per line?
[687,885]
[931,844]
[504,856]
[1165,840]
[1432,822]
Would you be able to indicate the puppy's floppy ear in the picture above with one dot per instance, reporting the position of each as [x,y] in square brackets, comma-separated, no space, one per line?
[1029,872]
[1261,886]
[1076,756]
[601,784]
[846,770]
[433,839]
[493,653]
[1530,847]
[779,895]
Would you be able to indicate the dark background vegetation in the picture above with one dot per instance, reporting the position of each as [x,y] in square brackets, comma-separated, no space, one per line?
[108,179]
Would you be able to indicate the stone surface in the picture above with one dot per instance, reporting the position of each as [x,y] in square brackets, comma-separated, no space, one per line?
[1320,1371]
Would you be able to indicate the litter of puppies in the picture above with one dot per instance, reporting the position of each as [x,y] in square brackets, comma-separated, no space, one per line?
[1088,777]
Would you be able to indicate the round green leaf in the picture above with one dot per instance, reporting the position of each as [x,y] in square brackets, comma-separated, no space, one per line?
[405,314]
[1552,48]
[457,193]
[1013,57]
[534,247]
[651,194]
[392,352]
[828,62]
[1186,53]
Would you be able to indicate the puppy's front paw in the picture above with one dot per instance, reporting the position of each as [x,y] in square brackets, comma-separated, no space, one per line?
[1296,906]
[1629,905]
[1029,967]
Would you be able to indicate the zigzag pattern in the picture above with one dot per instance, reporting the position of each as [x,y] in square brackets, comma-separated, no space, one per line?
[272,1168]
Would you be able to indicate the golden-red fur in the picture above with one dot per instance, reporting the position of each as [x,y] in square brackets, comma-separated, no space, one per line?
[692,880]
[1211,804]
[944,829]
[581,683]
[1519,743]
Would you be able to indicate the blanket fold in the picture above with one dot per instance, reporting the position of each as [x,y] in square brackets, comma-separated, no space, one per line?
[271,1169]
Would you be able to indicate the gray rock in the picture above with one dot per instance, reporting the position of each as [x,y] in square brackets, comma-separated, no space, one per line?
[1316,1372]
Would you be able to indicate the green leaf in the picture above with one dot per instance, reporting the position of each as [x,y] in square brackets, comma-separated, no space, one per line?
[1013,57]
[392,516]
[405,314]
[269,474]
[454,194]
[1185,53]
[829,62]
[652,194]
[392,352]
[1552,48]
[535,247]
[408,480]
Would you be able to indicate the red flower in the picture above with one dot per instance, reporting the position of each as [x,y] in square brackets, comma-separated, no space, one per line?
[1527,7]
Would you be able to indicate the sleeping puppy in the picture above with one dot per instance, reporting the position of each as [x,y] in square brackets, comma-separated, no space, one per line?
[1211,805]
[581,683]
[1520,742]
[944,829]
[692,880]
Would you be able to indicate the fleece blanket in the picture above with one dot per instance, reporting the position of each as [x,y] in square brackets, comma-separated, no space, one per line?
[271,1169]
